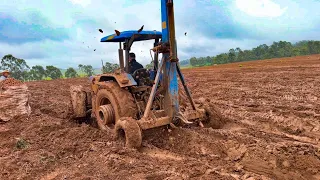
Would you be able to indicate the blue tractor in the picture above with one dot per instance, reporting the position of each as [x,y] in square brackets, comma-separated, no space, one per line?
[130,103]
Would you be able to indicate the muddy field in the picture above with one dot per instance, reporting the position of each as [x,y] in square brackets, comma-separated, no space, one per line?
[273,108]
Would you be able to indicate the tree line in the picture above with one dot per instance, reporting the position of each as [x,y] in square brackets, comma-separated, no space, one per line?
[19,69]
[276,50]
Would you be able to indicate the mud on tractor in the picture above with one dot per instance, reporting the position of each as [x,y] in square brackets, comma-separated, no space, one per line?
[130,103]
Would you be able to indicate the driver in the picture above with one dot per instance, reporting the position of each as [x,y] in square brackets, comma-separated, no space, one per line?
[5,75]
[133,64]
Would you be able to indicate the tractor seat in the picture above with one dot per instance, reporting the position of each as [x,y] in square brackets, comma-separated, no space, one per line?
[142,77]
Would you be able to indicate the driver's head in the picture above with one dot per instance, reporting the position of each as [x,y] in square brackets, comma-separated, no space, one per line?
[131,56]
[6,73]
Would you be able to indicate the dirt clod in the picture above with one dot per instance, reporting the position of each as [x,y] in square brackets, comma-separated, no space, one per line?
[10,82]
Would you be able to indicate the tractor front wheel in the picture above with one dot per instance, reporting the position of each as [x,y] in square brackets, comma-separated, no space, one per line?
[128,129]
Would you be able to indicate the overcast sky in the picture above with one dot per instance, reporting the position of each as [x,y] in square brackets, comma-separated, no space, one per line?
[58,32]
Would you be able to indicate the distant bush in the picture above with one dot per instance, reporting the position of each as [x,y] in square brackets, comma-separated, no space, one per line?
[47,78]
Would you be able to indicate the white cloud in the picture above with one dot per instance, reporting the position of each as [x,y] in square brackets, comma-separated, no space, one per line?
[260,8]
[130,15]
[83,3]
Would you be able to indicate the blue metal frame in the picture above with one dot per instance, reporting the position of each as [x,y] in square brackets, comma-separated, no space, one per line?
[170,78]
[153,75]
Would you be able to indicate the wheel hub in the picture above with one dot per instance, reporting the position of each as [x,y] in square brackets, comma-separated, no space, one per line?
[106,114]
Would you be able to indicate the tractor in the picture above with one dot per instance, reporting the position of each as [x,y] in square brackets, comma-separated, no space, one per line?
[130,103]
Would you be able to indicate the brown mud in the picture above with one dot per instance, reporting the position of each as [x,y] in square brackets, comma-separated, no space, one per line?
[9,82]
[273,131]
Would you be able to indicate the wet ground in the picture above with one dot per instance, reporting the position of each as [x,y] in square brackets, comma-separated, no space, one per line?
[273,133]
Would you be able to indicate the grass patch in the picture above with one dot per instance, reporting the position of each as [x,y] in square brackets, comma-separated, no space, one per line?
[21,144]
[186,67]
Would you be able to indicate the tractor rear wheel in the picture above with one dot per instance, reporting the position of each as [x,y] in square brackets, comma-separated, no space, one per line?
[111,103]
[129,129]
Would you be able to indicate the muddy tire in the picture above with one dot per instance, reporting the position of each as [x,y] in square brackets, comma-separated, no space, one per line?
[120,100]
[78,101]
[128,129]
[215,119]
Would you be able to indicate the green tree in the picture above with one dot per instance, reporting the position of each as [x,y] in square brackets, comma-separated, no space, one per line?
[222,58]
[80,66]
[71,73]
[53,72]
[185,62]
[109,67]
[201,61]
[232,55]
[240,55]
[313,47]
[115,66]
[87,69]
[208,61]
[193,61]
[18,67]
[37,73]
[150,66]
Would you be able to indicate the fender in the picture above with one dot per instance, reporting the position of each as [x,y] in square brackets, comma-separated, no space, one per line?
[123,79]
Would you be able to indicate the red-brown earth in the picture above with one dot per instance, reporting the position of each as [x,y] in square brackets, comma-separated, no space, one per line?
[273,133]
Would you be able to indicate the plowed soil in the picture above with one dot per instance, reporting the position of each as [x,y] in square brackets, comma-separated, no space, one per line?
[273,108]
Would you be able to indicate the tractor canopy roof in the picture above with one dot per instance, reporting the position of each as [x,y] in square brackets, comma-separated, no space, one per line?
[142,36]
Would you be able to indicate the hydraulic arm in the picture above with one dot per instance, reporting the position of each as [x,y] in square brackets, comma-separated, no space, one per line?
[169,64]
